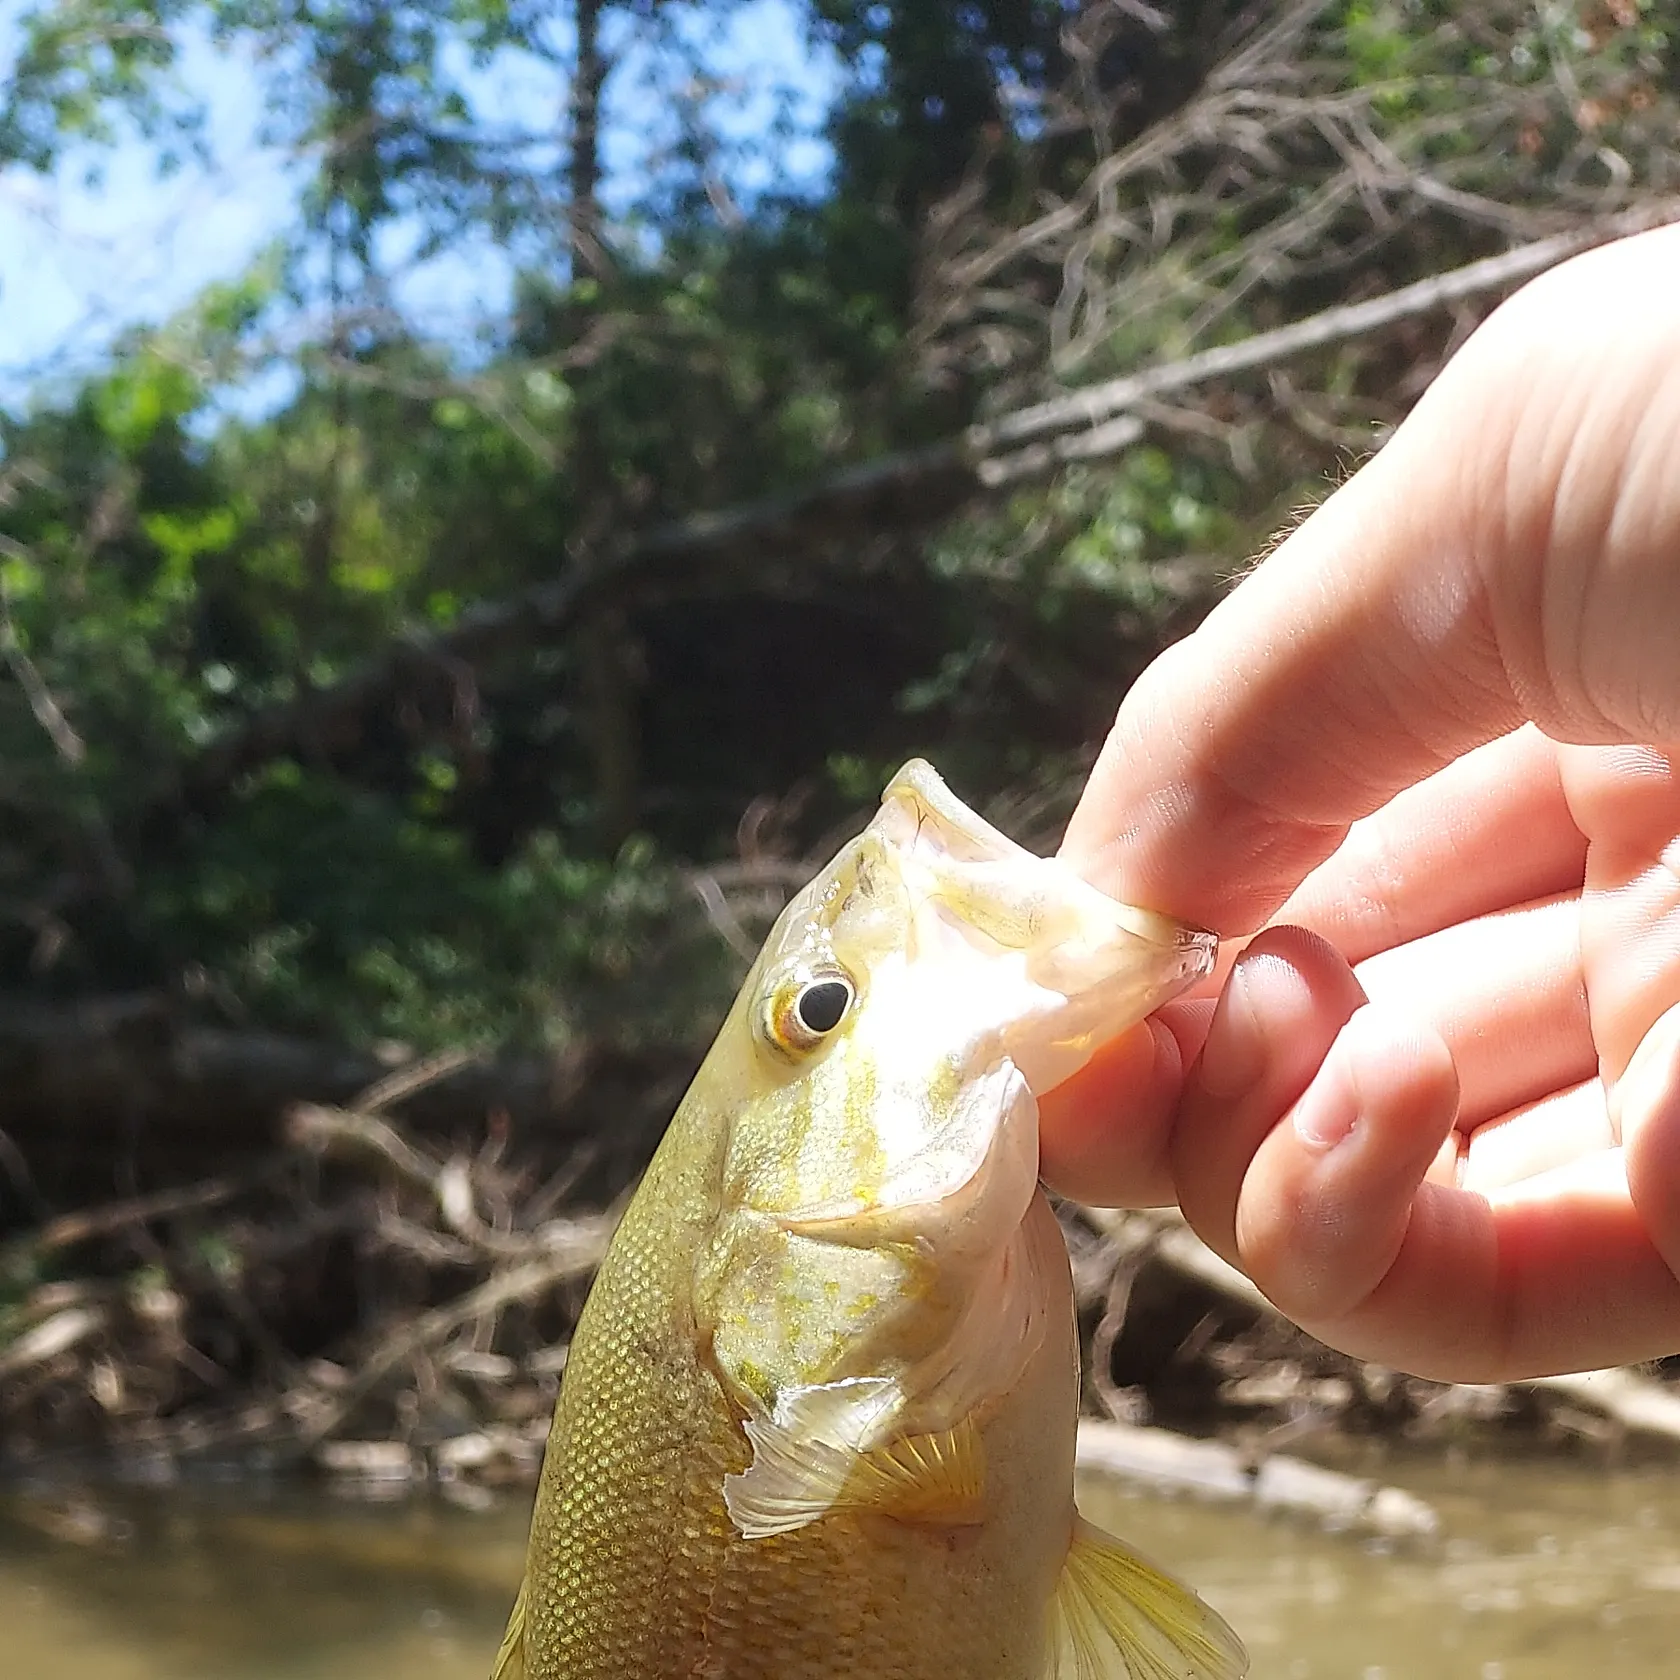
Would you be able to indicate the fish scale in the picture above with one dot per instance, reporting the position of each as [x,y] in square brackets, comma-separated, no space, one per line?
[616,1522]
[630,1515]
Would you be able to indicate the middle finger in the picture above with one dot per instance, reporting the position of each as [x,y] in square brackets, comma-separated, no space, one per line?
[1505,992]
[1491,830]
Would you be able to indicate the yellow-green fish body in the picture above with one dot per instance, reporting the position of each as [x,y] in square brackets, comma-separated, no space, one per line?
[818,1415]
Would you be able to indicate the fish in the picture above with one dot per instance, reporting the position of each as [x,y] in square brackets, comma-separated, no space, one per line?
[817,1418]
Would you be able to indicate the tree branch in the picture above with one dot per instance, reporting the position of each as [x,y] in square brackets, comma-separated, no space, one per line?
[1097,403]
[904,494]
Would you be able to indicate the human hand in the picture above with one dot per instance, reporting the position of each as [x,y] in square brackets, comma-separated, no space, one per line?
[1432,747]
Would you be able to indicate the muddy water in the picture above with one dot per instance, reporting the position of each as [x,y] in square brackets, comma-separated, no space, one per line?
[1543,1571]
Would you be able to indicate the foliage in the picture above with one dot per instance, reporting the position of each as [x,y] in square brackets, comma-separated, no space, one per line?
[1024,192]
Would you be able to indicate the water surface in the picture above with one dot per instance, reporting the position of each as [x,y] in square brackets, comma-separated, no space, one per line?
[1543,1571]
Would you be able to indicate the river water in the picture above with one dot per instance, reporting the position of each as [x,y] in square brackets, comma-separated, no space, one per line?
[1543,1570]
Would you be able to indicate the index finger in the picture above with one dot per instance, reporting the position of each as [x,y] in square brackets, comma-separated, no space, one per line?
[1508,556]
[1354,662]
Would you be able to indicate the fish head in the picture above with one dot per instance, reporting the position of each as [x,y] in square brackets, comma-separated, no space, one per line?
[881,1066]
[907,991]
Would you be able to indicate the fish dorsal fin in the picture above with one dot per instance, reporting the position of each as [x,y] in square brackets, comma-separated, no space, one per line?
[510,1659]
[795,1478]
[1118,1617]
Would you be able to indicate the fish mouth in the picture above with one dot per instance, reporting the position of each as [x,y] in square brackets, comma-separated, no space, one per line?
[1094,965]
[973,867]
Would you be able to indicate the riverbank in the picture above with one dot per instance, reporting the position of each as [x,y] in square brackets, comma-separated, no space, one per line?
[375,1306]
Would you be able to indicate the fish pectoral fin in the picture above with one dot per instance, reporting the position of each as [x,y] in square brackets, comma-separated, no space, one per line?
[934,1479]
[1117,1617]
[937,1480]
[510,1659]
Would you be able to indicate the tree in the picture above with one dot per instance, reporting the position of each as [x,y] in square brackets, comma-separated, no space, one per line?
[749,495]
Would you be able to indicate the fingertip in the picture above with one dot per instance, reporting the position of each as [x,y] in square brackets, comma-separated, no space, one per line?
[1325,1206]
[1103,1132]
[1281,974]
[1287,997]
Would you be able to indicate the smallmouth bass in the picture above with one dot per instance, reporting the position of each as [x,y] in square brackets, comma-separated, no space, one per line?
[818,1415]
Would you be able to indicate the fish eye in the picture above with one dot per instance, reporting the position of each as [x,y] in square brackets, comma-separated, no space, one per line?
[822,1005]
[800,1015]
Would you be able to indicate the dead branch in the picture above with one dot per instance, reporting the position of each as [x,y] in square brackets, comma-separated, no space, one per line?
[139,1345]
[50,715]
[448,1184]
[83,1226]
[903,494]
[1096,404]
[42,703]
[47,1340]
[577,1257]
[310,1126]
[1275,169]
[79,1080]
[404,1082]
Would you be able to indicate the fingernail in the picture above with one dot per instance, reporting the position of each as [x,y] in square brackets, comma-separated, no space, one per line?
[1234,1052]
[1327,1110]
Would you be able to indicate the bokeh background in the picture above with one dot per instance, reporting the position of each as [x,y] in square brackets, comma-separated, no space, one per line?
[489,490]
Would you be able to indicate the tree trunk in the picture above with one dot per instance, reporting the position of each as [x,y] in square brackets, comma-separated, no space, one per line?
[588,253]
[606,655]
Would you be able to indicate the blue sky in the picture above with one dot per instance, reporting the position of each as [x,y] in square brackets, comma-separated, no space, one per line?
[84,255]
[81,258]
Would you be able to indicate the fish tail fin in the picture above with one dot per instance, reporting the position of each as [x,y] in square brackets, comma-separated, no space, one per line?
[510,1659]
[1117,1617]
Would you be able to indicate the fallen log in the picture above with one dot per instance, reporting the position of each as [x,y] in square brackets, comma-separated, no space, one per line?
[1163,1460]
[1628,1399]
[110,1093]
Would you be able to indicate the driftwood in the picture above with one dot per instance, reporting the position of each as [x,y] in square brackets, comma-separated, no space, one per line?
[1628,1400]
[575,1256]
[1168,1462]
[57,1335]
[407,1350]
[421,1294]
[450,1184]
